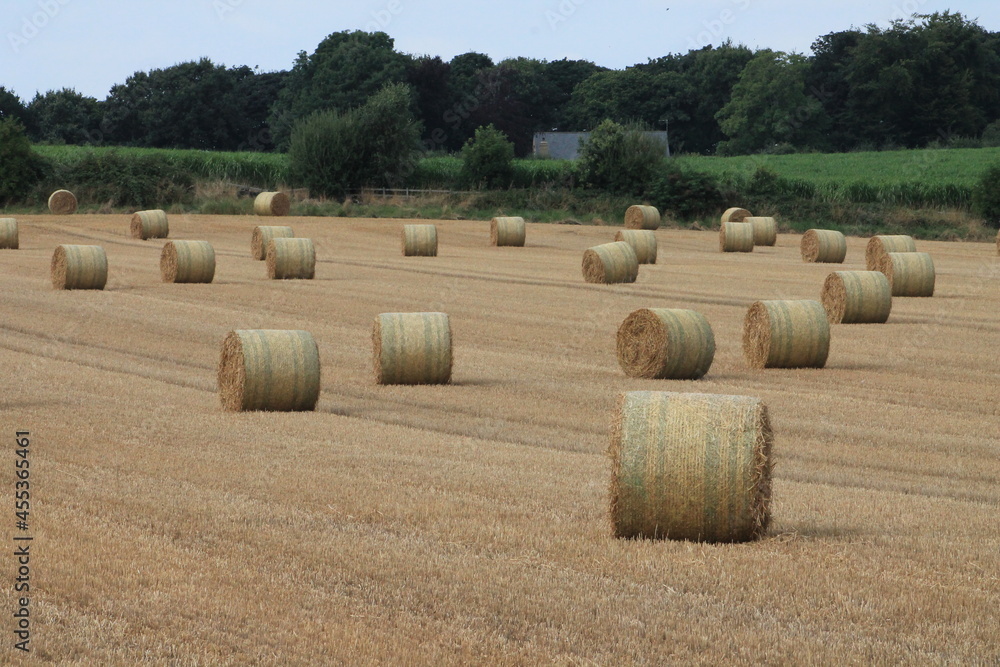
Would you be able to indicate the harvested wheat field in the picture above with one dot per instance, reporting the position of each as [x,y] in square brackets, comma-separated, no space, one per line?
[469,522]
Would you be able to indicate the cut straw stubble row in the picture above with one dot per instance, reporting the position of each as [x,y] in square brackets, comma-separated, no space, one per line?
[279,371]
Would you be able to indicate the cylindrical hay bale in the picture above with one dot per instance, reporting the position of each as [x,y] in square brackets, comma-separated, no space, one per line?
[412,348]
[262,236]
[735,215]
[8,234]
[998,243]
[149,225]
[666,344]
[420,241]
[187,262]
[610,263]
[272,203]
[824,245]
[736,237]
[276,371]
[643,242]
[62,202]
[857,297]
[765,230]
[909,273]
[291,259]
[642,217]
[79,267]
[690,467]
[878,246]
[786,334]
[507,231]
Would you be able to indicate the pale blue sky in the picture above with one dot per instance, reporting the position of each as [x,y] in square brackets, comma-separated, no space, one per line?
[91,45]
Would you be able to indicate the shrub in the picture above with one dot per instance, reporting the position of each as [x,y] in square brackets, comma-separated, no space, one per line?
[620,159]
[686,194]
[374,145]
[991,135]
[124,180]
[986,195]
[20,168]
[488,160]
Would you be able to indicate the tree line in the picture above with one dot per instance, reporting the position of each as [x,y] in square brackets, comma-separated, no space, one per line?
[931,79]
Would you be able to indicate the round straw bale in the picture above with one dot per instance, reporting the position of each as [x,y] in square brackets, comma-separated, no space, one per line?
[690,467]
[272,203]
[187,262]
[998,243]
[909,273]
[642,217]
[643,242]
[786,334]
[8,234]
[420,241]
[735,215]
[79,267]
[736,237]
[665,344]
[507,232]
[857,297]
[412,348]
[610,263]
[62,202]
[276,371]
[291,259]
[262,236]
[824,245]
[765,230]
[149,225]
[878,246]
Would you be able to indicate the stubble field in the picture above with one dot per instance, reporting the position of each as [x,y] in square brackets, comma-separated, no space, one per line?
[468,523]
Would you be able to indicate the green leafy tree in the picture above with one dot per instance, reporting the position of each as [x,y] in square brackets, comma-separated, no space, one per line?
[769,106]
[488,160]
[565,75]
[333,152]
[344,71]
[11,106]
[20,168]
[65,117]
[620,159]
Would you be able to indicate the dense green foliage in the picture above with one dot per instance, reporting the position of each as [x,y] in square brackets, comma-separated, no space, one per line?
[986,195]
[119,180]
[488,160]
[20,167]
[334,152]
[620,159]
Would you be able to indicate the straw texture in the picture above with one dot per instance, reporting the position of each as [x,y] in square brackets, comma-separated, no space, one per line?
[507,232]
[420,241]
[187,262]
[879,246]
[269,370]
[291,259]
[736,237]
[690,467]
[272,203]
[857,297]
[642,217]
[262,236]
[666,344]
[610,263]
[412,348]
[786,334]
[8,234]
[149,225]
[62,202]
[909,273]
[824,245]
[765,230]
[643,243]
[735,215]
[79,267]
